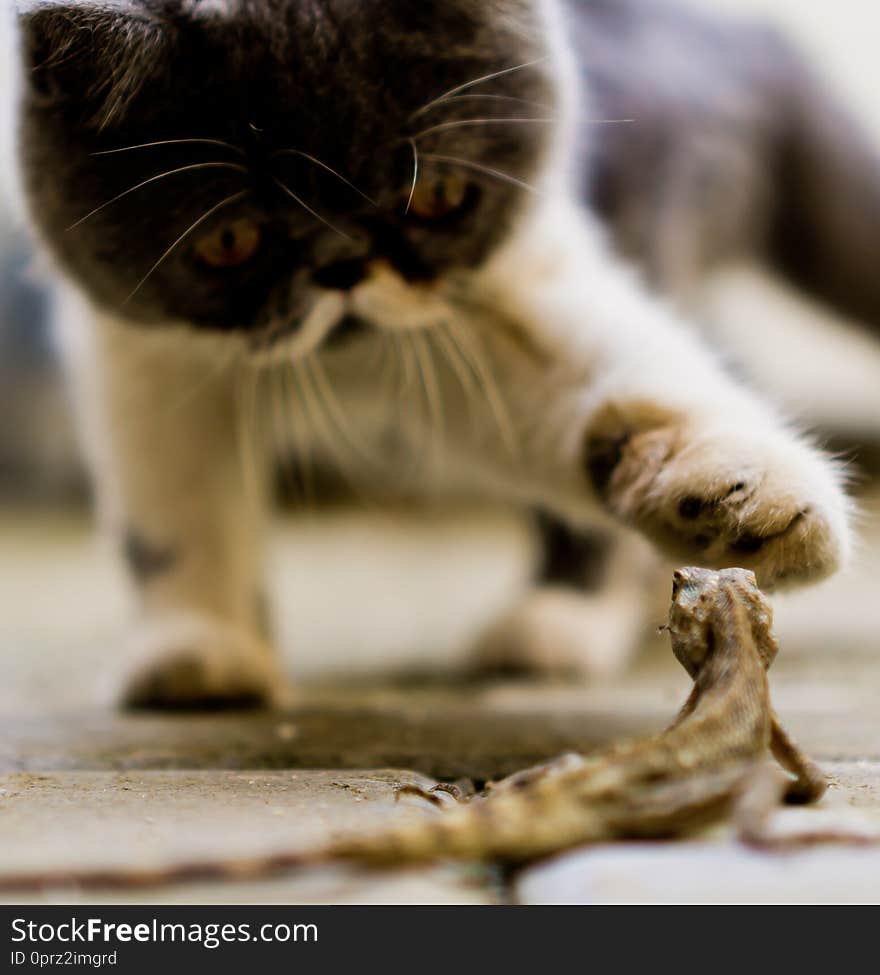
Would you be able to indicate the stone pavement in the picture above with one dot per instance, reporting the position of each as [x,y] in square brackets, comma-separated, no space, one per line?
[81,784]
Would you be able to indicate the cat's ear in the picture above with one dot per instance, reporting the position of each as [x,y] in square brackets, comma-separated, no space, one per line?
[92,56]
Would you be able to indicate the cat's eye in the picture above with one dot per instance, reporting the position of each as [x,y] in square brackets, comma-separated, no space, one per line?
[434,199]
[232,244]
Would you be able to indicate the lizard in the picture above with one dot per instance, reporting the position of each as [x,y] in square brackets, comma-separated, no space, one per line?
[695,772]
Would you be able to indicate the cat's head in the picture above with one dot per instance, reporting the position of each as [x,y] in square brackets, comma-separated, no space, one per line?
[275,167]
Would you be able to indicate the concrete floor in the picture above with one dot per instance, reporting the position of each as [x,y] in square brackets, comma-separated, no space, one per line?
[83,784]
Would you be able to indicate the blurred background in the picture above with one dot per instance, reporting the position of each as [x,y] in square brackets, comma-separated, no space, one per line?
[415,589]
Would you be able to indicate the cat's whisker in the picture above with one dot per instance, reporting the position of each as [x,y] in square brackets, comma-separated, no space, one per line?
[264,447]
[249,438]
[431,387]
[305,452]
[459,366]
[409,366]
[329,169]
[400,370]
[335,410]
[286,189]
[318,414]
[171,142]
[474,355]
[388,363]
[387,368]
[405,371]
[419,385]
[411,386]
[379,350]
[510,99]
[415,176]
[214,373]
[153,179]
[311,405]
[480,168]
[272,435]
[295,462]
[474,82]
[189,230]
[300,382]
[281,449]
[240,431]
[464,122]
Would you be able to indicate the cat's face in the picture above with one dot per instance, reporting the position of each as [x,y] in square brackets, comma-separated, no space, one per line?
[307,160]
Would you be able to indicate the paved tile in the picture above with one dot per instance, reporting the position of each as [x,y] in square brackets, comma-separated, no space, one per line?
[110,820]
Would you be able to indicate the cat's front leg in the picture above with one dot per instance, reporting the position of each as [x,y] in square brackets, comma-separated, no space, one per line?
[652,429]
[160,421]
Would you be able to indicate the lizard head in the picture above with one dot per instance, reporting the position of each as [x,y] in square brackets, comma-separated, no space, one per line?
[698,595]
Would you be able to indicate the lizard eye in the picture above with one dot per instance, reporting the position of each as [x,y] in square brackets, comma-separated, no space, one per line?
[440,197]
[232,244]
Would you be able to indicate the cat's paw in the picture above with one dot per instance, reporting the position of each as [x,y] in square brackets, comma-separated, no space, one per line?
[193,662]
[559,632]
[720,496]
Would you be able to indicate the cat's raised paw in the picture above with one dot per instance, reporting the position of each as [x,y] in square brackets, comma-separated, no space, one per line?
[724,497]
[191,662]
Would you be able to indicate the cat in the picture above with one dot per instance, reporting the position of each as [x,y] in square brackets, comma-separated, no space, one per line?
[398,237]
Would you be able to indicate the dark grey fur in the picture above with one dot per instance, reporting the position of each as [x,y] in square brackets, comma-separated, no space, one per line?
[145,559]
[337,79]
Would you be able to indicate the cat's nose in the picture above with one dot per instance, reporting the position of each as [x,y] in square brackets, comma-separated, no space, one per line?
[341,275]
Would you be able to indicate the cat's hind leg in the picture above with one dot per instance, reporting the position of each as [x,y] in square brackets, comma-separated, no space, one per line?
[587,612]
